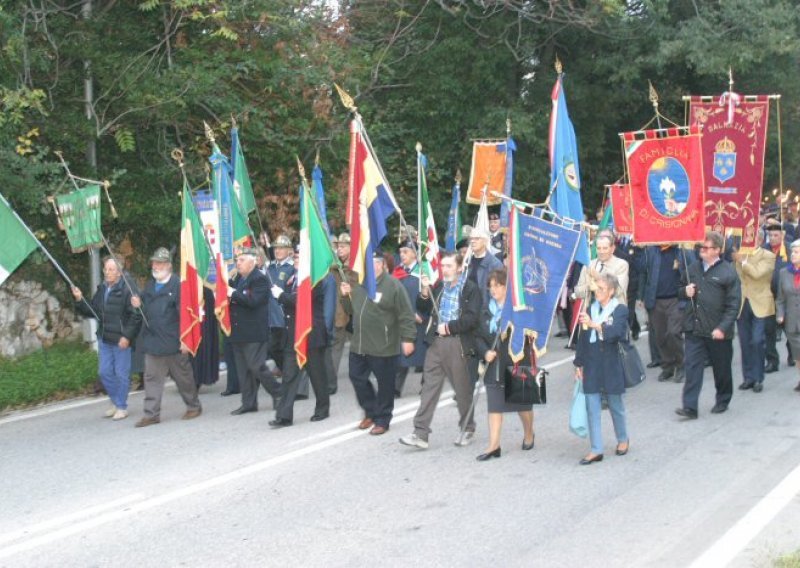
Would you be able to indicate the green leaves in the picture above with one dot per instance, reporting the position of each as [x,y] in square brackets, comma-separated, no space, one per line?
[125,140]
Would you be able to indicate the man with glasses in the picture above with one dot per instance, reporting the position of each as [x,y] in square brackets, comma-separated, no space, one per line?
[714,296]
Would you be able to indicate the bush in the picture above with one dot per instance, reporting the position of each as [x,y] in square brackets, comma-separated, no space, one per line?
[54,373]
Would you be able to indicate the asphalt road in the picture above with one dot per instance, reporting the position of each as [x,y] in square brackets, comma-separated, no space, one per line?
[79,490]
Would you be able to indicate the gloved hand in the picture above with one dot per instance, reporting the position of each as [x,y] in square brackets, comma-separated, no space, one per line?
[276,291]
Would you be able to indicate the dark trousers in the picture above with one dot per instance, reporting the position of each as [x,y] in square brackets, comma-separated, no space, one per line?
[291,383]
[771,333]
[698,349]
[251,365]
[378,406]
[667,320]
[753,343]
[232,384]
[652,342]
[277,339]
[633,319]
[330,372]
[400,379]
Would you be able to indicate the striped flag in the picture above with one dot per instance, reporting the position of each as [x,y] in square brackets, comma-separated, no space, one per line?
[17,240]
[515,269]
[429,241]
[195,259]
[316,258]
[370,203]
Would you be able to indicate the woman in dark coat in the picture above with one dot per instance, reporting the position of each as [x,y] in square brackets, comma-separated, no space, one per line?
[788,302]
[498,359]
[598,364]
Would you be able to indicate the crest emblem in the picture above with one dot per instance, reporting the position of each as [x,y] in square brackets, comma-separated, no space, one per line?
[668,187]
[534,275]
[724,160]
[571,176]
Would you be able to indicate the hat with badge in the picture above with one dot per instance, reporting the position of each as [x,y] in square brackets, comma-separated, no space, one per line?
[282,242]
[249,251]
[344,238]
[161,255]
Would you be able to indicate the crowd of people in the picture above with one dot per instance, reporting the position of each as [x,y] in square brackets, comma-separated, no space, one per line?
[448,331]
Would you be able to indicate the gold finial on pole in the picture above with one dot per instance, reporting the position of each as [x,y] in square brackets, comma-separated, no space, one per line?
[653,95]
[209,132]
[316,158]
[559,67]
[302,170]
[233,121]
[418,147]
[730,79]
[508,127]
[177,155]
[347,100]
[458,176]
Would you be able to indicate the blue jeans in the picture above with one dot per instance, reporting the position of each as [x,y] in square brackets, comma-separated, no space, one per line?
[753,341]
[594,410]
[115,372]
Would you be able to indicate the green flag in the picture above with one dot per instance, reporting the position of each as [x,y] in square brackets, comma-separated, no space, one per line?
[17,241]
[605,222]
[80,214]
[241,179]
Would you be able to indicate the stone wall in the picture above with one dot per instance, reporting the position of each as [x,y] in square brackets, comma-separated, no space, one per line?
[30,318]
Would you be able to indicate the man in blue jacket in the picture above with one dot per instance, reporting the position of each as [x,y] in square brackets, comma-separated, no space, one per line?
[160,341]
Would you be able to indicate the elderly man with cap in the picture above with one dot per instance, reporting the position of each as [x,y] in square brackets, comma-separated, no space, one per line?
[408,273]
[342,328]
[279,272]
[779,245]
[249,294]
[497,242]
[160,341]
[481,263]
[382,328]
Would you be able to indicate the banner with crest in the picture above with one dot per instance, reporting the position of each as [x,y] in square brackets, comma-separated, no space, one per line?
[621,208]
[79,213]
[665,172]
[734,140]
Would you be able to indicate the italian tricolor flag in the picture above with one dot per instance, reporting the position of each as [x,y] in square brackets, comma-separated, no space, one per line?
[194,267]
[316,259]
[17,241]
[429,242]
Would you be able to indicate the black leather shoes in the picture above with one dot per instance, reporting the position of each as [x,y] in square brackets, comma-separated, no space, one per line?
[653,364]
[758,387]
[489,455]
[666,375]
[562,334]
[318,417]
[772,368]
[527,447]
[243,410]
[280,423]
[797,388]
[228,393]
[625,451]
[719,408]
[689,413]
[590,460]
[745,386]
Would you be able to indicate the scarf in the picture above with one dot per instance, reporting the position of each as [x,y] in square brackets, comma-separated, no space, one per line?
[796,271]
[600,315]
[496,310]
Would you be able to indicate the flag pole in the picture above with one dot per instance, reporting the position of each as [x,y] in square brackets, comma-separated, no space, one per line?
[124,278]
[45,251]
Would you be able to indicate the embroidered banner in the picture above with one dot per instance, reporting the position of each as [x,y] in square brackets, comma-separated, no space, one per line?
[489,159]
[665,171]
[80,214]
[734,140]
[540,253]
[621,210]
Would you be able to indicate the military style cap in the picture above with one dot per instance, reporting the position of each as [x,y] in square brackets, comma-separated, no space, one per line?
[406,244]
[161,255]
[344,238]
[282,242]
[248,251]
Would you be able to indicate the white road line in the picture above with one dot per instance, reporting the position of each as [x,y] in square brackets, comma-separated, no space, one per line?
[57,521]
[722,552]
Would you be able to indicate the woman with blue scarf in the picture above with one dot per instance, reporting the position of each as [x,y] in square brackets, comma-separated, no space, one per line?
[498,359]
[597,363]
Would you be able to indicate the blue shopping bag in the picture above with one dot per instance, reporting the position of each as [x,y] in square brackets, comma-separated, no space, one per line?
[578,417]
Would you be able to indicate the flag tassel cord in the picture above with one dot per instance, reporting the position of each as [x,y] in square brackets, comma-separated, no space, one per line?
[46,252]
[105,184]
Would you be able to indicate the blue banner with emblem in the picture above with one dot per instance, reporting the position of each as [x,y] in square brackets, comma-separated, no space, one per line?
[540,252]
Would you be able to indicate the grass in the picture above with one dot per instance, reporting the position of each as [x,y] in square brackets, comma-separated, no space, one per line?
[791,560]
[54,373]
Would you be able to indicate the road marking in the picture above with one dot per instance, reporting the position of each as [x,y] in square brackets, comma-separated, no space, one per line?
[722,552]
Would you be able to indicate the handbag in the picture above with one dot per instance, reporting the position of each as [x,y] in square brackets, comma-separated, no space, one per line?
[578,416]
[633,370]
[524,384]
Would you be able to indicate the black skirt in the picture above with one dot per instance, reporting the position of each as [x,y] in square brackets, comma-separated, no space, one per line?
[496,393]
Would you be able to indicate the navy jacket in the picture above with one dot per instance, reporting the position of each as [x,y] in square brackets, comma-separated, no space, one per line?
[319,330]
[652,267]
[162,335]
[117,318]
[602,367]
[249,305]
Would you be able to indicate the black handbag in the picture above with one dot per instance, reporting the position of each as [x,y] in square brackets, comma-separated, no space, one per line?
[632,367]
[524,384]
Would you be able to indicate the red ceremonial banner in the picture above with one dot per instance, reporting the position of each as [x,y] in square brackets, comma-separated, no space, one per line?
[621,208]
[665,171]
[734,139]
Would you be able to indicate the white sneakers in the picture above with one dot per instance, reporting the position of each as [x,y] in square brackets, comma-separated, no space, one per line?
[120,414]
[465,440]
[414,440]
[110,412]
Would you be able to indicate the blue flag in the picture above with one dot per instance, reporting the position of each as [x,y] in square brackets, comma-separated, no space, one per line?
[539,255]
[453,220]
[319,191]
[565,173]
[509,147]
